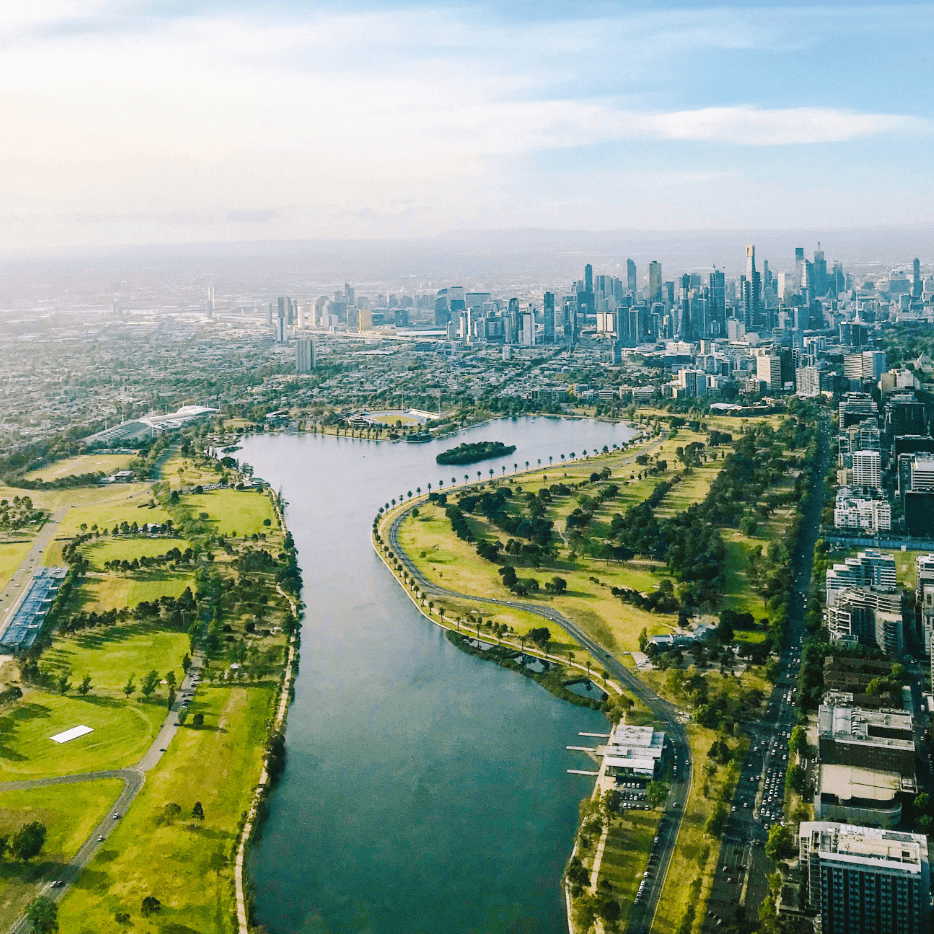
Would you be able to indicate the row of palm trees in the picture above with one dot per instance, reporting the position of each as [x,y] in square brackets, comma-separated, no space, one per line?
[515,468]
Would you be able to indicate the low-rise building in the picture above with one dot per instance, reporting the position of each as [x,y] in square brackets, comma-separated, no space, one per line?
[634,752]
[882,740]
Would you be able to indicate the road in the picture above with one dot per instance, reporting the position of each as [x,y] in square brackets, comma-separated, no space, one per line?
[741,880]
[14,590]
[133,780]
[643,914]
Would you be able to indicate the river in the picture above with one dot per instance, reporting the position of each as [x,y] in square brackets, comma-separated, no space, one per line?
[426,790]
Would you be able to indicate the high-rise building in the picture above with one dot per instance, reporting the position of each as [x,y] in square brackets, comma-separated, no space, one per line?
[769,371]
[820,273]
[655,282]
[916,286]
[304,355]
[870,568]
[752,292]
[631,281]
[807,382]
[799,269]
[867,468]
[865,880]
[548,319]
[281,334]
[588,279]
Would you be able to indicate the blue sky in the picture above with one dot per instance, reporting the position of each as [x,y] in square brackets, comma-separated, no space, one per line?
[175,122]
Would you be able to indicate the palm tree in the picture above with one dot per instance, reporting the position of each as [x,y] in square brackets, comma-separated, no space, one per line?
[515,468]
[418,491]
[539,462]
[429,488]
[479,474]
[550,459]
[504,470]
[466,478]
[562,458]
[491,473]
[526,465]
[454,480]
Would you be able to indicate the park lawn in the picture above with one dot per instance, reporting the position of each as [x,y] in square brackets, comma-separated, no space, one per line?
[235,512]
[110,655]
[696,853]
[117,504]
[626,855]
[111,591]
[12,553]
[181,471]
[692,489]
[184,863]
[70,813]
[123,731]
[82,464]
[125,548]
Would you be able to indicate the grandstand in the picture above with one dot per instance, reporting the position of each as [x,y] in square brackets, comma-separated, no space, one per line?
[29,616]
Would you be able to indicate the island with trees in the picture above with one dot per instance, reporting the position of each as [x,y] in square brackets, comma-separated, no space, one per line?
[471,453]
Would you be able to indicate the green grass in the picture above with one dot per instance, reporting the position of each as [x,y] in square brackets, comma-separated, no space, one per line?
[102,592]
[625,855]
[123,548]
[82,464]
[121,503]
[11,556]
[70,813]
[217,765]
[109,656]
[123,731]
[232,511]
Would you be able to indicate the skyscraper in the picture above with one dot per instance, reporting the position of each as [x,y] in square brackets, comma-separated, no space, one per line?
[820,273]
[548,324]
[799,269]
[717,310]
[752,291]
[631,285]
[916,285]
[588,278]
[655,282]
[304,355]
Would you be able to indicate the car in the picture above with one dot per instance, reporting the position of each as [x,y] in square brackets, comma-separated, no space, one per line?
[115,816]
[56,883]
[100,838]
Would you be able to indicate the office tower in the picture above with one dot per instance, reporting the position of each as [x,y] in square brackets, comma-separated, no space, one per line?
[865,880]
[752,292]
[304,355]
[548,320]
[820,273]
[269,315]
[442,309]
[769,371]
[718,298]
[631,281]
[799,268]
[588,279]
[655,283]
[513,322]
[916,286]
[350,296]
[280,330]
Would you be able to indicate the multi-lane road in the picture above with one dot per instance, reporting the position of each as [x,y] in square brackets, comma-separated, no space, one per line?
[643,912]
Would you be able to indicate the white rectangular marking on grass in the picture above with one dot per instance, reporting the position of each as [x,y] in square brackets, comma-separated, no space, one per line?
[73,733]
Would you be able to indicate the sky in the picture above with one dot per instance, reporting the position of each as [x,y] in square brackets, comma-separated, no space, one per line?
[178,122]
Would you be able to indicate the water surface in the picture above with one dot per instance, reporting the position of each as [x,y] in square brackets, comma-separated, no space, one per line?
[426,789]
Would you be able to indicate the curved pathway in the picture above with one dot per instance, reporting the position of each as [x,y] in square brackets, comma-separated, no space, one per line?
[643,914]
[133,780]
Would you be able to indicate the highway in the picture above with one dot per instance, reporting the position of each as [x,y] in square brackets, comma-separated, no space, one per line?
[741,880]
[643,913]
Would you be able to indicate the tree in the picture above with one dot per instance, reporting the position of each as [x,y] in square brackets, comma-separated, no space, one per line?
[197,720]
[170,698]
[558,585]
[171,679]
[186,663]
[28,841]
[643,640]
[42,914]
[149,684]
[798,742]
[85,686]
[781,844]
[150,905]
[197,812]
[4,845]
[655,794]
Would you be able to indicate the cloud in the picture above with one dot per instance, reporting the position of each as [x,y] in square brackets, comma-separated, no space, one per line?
[378,118]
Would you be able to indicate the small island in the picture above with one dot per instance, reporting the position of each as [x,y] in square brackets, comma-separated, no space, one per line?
[478,451]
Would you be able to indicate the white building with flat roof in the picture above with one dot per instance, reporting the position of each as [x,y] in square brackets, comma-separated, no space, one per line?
[634,752]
